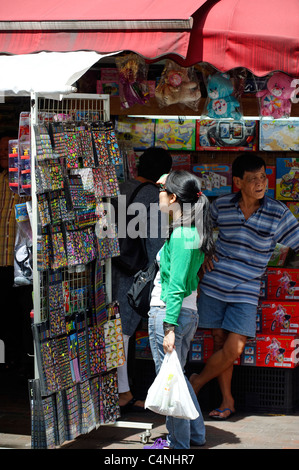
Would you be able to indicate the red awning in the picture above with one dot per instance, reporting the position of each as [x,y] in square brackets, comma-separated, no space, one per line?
[151,28]
[260,35]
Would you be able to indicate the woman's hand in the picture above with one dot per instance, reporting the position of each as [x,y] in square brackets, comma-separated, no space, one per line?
[162,179]
[168,341]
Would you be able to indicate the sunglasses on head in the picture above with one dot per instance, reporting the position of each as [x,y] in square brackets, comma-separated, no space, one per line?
[162,188]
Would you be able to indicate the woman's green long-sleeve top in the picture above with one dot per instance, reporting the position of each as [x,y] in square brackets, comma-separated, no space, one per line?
[180,261]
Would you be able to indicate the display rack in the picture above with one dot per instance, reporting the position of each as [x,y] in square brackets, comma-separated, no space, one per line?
[71,108]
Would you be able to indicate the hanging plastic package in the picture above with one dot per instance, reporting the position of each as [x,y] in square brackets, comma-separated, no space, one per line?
[169,394]
[133,86]
[223,92]
[275,99]
[178,85]
[23,274]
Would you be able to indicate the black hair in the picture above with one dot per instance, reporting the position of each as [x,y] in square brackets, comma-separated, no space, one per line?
[247,162]
[154,162]
[187,188]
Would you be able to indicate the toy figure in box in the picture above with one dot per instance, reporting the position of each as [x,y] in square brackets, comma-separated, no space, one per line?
[275,99]
[222,103]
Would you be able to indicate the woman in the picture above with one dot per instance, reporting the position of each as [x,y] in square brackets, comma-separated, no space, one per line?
[173,315]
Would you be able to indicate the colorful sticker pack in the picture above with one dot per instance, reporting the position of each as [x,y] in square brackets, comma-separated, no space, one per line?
[77,410]
[72,355]
[67,194]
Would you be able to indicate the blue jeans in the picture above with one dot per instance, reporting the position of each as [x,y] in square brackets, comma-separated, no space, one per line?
[182,432]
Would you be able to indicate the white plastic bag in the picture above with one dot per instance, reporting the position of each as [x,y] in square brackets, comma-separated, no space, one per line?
[169,395]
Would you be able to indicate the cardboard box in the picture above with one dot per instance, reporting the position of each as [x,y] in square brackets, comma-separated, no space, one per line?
[271,351]
[221,134]
[279,135]
[201,347]
[174,134]
[287,179]
[294,208]
[141,131]
[181,161]
[142,345]
[279,255]
[216,179]
[279,317]
[108,88]
[280,284]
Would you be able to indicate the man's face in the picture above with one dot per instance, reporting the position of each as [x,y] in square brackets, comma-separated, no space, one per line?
[253,184]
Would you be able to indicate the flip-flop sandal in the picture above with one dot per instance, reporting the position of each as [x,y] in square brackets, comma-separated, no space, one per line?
[223,418]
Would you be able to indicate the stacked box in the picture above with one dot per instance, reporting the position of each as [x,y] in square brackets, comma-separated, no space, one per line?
[201,347]
[271,351]
[279,317]
[142,345]
[281,284]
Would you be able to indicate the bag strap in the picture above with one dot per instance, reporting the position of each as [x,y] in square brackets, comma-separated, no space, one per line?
[136,191]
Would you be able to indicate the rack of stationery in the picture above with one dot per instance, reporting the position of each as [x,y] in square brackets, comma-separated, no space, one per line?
[77,328]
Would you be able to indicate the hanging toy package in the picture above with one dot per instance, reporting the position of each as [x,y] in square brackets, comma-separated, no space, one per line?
[275,99]
[178,85]
[223,96]
[23,274]
[133,86]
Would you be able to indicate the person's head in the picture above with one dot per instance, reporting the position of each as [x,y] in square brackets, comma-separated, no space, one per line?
[249,175]
[182,192]
[154,162]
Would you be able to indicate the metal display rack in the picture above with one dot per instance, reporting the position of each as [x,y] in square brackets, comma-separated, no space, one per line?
[95,107]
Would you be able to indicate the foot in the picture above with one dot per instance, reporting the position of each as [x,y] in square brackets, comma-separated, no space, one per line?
[195,382]
[125,398]
[222,413]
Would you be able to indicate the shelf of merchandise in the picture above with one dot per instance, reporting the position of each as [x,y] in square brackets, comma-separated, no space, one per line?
[41,107]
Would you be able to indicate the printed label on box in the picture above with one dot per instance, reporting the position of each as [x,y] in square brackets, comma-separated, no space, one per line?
[287,178]
[215,178]
[279,317]
[282,284]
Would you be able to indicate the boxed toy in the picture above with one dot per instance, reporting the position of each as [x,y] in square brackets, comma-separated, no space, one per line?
[279,317]
[279,255]
[294,208]
[215,178]
[201,347]
[271,351]
[281,284]
[142,345]
[287,178]
[181,161]
[279,135]
[174,134]
[221,134]
[139,131]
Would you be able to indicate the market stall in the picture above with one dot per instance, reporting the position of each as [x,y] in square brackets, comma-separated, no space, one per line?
[44,52]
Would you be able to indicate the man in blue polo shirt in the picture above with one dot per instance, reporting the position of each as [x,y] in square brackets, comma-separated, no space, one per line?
[250,225]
